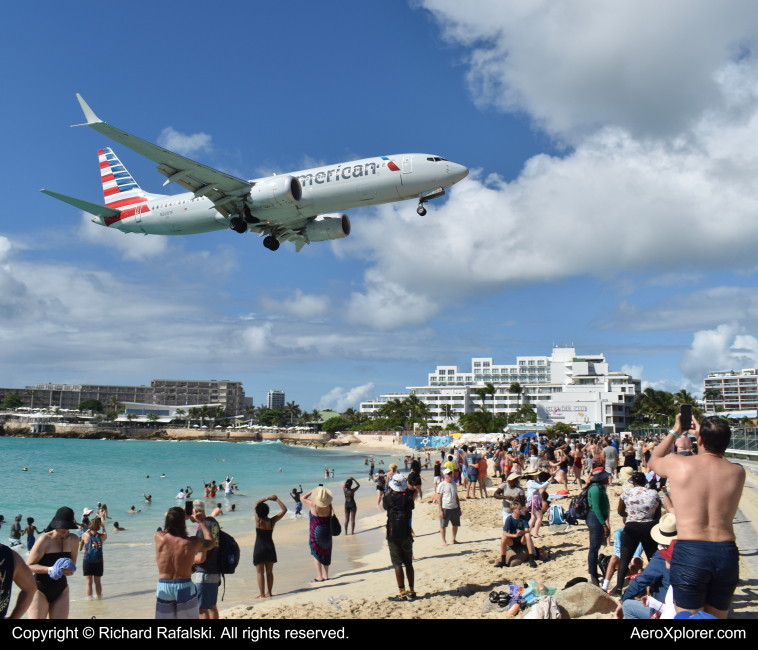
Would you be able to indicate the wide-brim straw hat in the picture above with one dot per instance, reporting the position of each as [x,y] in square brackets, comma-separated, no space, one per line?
[625,473]
[664,532]
[599,476]
[322,497]
[64,518]
[87,512]
[513,476]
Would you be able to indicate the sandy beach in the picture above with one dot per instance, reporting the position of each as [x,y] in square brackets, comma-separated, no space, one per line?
[455,580]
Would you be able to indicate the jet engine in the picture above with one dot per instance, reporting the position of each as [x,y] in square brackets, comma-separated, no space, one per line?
[328,226]
[275,192]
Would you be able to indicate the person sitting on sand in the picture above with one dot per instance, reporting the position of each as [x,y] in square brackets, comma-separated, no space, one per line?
[516,535]
[218,510]
[449,506]
[233,508]
[117,528]
[399,506]
[351,508]
[132,511]
[264,553]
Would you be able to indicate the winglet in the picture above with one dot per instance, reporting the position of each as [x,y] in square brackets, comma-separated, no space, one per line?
[88,113]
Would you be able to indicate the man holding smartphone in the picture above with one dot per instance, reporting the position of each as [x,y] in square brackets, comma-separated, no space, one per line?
[705,490]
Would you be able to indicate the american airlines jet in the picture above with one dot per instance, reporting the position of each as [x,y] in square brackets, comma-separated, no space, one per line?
[301,207]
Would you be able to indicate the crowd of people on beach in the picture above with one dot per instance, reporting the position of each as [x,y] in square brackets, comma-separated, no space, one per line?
[678,496]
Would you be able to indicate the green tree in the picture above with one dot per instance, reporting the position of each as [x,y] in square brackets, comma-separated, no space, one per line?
[94,405]
[293,412]
[131,416]
[180,413]
[203,412]
[30,393]
[336,424]
[152,417]
[193,414]
[12,401]
[515,389]
[452,427]
[712,395]
[249,412]
[448,411]
[114,403]
[272,417]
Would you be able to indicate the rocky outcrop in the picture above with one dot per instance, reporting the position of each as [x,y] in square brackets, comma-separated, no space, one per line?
[585,598]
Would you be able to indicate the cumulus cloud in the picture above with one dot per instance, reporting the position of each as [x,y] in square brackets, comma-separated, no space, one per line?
[694,311]
[634,371]
[723,348]
[131,246]
[647,66]
[340,399]
[183,143]
[299,305]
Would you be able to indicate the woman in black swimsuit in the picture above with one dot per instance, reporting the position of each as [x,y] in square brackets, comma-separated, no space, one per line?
[350,506]
[52,597]
[264,552]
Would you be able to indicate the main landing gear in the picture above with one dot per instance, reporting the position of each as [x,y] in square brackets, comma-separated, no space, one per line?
[272,243]
[421,210]
[238,225]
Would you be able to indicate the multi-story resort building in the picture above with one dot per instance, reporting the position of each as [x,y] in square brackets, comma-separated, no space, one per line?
[732,390]
[169,392]
[275,399]
[564,387]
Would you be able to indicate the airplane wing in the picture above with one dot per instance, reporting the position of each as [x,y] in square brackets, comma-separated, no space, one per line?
[93,208]
[226,191]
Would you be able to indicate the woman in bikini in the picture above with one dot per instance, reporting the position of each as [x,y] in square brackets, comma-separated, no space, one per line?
[577,455]
[52,597]
[351,508]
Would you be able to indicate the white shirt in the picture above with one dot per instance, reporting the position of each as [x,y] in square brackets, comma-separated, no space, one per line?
[448,492]
[180,495]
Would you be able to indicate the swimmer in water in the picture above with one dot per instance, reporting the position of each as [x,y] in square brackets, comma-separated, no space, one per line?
[117,528]
[148,497]
[233,508]
[280,469]
[163,476]
[132,511]
[217,511]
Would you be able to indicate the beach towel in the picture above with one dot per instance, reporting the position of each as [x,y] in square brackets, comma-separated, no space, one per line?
[545,607]
[56,571]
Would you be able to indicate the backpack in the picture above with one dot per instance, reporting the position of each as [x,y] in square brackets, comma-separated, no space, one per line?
[94,550]
[579,507]
[228,553]
[397,523]
[556,516]
[602,562]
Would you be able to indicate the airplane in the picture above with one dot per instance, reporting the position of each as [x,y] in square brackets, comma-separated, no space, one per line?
[301,207]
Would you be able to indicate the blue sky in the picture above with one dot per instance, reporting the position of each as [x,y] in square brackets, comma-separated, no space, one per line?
[611,203]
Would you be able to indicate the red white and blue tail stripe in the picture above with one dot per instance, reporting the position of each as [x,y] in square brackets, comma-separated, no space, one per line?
[119,187]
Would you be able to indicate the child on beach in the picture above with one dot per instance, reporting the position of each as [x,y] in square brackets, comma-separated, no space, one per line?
[29,532]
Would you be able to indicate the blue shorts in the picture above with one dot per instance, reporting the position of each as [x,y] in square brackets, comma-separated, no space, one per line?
[298,507]
[617,545]
[176,599]
[704,573]
[207,589]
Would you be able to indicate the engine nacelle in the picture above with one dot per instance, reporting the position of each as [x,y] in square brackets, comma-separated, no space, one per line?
[275,192]
[328,226]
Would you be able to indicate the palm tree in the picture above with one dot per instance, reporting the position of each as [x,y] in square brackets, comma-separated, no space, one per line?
[203,412]
[31,398]
[712,394]
[249,412]
[477,422]
[193,414]
[349,414]
[152,417]
[113,401]
[515,389]
[131,416]
[481,393]
[181,413]
[218,414]
[448,411]
[293,411]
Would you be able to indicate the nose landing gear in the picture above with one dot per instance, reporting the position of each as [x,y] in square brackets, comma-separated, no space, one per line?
[272,243]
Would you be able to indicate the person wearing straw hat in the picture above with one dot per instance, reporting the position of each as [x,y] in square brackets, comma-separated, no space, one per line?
[52,560]
[508,491]
[655,579]
[319,501]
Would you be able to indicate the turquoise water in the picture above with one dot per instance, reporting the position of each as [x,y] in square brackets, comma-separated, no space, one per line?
[116,472]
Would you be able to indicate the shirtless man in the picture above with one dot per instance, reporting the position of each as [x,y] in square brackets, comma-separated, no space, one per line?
[175,555]
[295,494]
[683,446]
[705,491]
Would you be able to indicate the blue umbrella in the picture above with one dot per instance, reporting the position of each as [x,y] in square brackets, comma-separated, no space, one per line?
[528,434]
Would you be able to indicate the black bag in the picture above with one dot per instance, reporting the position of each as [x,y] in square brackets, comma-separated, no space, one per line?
[228,556]
[397,524]
[602,562]
[579,507]
[335,525]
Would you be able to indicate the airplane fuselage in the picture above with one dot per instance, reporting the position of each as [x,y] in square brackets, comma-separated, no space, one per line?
[332,188]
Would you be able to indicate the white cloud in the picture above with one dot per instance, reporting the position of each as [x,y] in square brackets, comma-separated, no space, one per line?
[388,305]
[723,348]
[340,399]
[299,305]
[644,65]
[132,246]
[634,371]
[184,144]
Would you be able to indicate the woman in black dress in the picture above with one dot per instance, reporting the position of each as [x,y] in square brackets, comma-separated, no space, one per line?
[264,553]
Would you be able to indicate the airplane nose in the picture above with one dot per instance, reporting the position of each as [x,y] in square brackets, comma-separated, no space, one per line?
[459,172]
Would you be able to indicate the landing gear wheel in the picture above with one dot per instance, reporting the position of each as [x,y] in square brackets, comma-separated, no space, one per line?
[272,243]
[421,210]
[238,225]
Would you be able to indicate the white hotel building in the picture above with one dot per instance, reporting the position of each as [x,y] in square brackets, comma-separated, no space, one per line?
[563,387]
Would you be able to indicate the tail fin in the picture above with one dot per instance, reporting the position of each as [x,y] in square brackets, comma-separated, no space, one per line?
[119,187]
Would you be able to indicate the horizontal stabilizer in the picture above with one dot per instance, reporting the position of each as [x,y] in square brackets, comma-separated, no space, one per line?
[92,208]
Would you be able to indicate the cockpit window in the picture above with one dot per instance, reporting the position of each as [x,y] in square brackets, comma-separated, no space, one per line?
[430,159]
[445,159]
